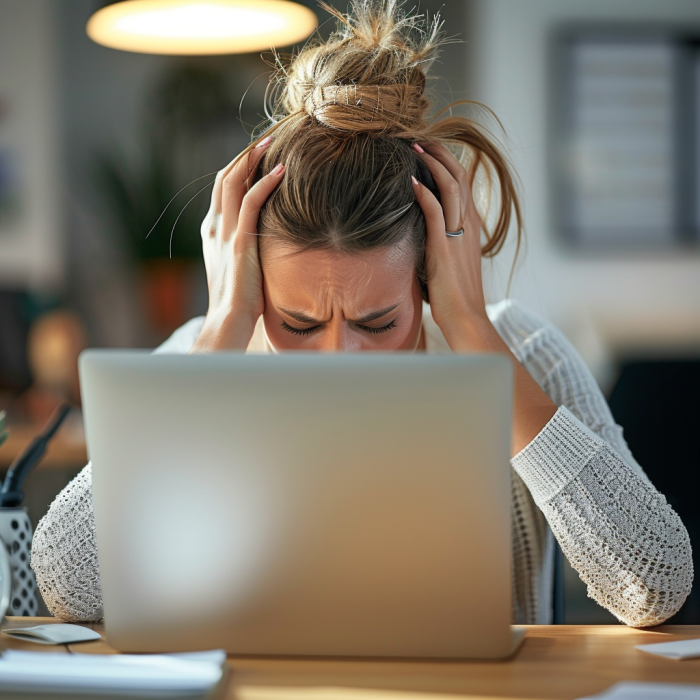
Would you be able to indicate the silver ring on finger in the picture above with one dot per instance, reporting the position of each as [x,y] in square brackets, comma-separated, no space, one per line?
[454,234]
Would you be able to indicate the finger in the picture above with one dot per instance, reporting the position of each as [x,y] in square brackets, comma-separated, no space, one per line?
[470,214]
[450,189]
[254,157]
[246,234]
[236,183]
[443,154]
[219,181]
[434,214]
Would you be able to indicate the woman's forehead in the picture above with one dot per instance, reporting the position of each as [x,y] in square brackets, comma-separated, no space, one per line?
[282,259]
[319,277]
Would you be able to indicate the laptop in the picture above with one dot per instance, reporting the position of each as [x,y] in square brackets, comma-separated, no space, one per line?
[303,504]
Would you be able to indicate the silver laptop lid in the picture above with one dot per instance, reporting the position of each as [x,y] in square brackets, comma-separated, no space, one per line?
[353,504]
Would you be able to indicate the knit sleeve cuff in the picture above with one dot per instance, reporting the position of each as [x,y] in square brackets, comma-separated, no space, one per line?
[556,455]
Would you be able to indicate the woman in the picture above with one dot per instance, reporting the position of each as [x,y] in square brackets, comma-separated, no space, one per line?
[331,234]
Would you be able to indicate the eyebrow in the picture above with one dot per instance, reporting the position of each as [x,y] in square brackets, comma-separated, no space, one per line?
[304,318]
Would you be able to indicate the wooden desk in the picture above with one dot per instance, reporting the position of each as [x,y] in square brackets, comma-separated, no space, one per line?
[562,662]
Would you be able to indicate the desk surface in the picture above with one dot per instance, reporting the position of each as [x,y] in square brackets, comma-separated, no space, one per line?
[563,662]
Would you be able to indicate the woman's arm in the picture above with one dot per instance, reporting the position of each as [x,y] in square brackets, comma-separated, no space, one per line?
[64,554]
[230,248]
[615,528]
[64,551]
[618,532]
[625,541]
[455,285]
[532,408]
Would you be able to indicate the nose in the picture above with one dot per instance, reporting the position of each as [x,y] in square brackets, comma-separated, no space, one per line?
[338,337]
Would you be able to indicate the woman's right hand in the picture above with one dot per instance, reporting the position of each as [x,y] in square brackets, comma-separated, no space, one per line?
[230,247]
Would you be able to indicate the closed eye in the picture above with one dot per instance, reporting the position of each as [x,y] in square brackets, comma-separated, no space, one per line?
[313,329]
[381,329]
[299,331]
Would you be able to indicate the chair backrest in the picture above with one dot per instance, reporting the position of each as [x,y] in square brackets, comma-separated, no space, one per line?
[657,402]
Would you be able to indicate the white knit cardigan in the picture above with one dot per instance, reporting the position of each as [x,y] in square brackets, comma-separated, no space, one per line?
[576,481]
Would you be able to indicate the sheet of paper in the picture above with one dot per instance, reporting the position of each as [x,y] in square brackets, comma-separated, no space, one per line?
[30,671]
[649,691]
[684,649]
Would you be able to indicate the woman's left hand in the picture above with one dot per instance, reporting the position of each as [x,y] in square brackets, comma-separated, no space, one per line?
[455,287]
[453,263]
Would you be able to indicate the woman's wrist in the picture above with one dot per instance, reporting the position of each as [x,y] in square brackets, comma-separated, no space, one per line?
[221,332]
[471,333]
[532,408]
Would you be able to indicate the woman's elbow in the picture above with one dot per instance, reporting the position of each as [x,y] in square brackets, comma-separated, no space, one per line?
[73,606]
[67,577]
[651,607]
[659,593]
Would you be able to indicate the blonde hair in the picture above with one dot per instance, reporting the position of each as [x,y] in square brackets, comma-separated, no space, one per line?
[345,113]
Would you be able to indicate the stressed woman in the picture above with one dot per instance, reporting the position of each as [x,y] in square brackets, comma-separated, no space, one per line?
[354,225]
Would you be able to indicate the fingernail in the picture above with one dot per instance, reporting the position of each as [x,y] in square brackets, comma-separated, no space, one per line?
[415,182]
[417,148]
[264,142]
[278,169]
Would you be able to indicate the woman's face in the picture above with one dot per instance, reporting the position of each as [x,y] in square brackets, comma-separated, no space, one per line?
[320,300]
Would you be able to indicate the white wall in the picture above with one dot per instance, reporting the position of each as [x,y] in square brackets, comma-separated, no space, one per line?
[639,303]
[31,251]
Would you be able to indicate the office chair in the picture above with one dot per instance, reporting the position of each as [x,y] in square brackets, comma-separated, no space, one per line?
[657,402]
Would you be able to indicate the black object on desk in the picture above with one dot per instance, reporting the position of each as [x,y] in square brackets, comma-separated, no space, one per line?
[11,494]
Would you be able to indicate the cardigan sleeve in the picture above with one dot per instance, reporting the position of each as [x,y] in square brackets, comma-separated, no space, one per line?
[64,554]
[64,549]
[618,532]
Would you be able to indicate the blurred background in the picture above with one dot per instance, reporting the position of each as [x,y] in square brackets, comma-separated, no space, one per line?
[601,105]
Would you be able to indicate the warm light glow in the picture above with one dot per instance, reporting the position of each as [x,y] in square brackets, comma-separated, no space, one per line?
[186,27]
[200,22]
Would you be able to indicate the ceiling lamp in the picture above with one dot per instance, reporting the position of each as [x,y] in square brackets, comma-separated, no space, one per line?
[189,27]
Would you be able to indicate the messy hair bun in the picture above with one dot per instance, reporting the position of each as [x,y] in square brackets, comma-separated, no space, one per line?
[370,75]
[344,113]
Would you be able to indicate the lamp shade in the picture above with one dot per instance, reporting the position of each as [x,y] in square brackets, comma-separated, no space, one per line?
[190,27]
